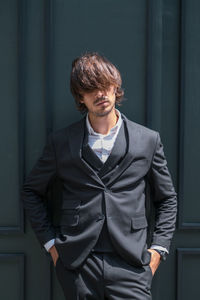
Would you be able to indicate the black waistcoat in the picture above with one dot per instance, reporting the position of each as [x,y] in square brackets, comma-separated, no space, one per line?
[105,171]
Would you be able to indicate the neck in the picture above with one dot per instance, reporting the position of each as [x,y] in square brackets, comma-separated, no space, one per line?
[103,124]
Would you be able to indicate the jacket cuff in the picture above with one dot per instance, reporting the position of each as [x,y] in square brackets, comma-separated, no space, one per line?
[156,247]
[46,237]
[161,242]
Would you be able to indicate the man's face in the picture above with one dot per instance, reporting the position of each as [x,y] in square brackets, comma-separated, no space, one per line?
[100,103]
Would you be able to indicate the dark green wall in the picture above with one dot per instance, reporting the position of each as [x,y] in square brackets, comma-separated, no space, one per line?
[156,45]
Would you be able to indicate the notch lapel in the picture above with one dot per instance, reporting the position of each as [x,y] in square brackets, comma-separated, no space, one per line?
[132,136]
[76,136]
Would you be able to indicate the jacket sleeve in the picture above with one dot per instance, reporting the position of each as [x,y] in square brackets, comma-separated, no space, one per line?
[164,198]
[34,190]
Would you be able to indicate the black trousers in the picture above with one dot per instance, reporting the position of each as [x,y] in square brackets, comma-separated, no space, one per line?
[105,276]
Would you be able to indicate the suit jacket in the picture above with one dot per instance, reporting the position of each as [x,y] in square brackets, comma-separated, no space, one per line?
[124,196]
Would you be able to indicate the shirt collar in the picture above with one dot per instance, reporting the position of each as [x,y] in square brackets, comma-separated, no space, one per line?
[113,129]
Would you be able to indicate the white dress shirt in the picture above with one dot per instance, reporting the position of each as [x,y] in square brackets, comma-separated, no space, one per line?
[102,145]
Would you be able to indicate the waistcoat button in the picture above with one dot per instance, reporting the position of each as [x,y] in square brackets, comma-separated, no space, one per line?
[100,217]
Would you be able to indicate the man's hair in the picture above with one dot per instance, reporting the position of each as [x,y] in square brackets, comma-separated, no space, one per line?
[91,72]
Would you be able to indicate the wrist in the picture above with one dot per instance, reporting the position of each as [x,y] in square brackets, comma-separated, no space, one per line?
[163,254]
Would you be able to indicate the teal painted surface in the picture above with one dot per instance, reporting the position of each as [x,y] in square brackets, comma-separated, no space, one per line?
[155,44]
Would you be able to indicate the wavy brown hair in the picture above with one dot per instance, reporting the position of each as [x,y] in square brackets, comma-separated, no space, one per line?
[93,71]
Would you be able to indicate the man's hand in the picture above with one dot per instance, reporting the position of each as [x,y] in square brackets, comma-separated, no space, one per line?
[54,254]
[155,260]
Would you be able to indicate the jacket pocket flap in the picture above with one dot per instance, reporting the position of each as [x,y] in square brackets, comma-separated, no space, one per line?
[139,222]
[69,220]
[71,204]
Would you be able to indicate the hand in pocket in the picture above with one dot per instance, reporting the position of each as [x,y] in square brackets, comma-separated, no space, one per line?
[155,260]
[54,255]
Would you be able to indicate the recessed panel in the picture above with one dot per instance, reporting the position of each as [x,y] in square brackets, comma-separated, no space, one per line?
[9,112]
[190,112]
[11,276]
[188,274]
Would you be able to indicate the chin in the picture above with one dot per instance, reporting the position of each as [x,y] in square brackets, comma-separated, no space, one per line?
[104,112]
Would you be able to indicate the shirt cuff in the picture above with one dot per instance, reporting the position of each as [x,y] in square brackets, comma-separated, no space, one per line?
[49,244]
[159,248]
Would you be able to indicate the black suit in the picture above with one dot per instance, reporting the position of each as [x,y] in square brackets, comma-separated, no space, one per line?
[93,193]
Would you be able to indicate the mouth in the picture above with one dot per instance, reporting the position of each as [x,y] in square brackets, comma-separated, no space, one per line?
[102,102]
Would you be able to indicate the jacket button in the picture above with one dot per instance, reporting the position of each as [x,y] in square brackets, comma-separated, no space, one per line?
[62,237]
[100,217]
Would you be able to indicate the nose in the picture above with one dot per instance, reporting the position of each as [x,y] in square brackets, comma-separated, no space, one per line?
[101,93]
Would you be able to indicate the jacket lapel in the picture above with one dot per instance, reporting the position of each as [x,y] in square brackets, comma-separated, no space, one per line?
[76,136]
[89,155]
[132,137]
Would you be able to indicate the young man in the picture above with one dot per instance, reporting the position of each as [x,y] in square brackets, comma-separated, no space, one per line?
[108,166]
